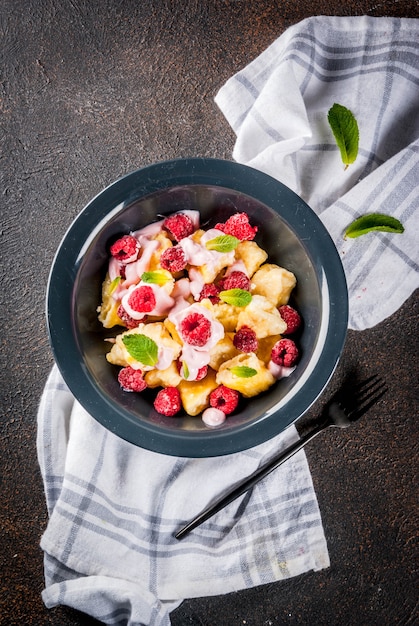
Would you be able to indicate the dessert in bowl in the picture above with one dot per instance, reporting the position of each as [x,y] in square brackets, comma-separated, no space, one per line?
[213,191]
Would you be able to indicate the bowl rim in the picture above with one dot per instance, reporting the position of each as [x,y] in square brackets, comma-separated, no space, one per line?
[144,182]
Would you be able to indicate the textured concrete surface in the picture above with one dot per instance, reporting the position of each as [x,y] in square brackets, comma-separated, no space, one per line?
[89,91]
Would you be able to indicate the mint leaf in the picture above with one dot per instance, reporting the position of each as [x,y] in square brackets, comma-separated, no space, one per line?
[236,297]
[223,243]
[243,371]
[345,130]
[157,277]
[141,348]
[114,284]
[374,221]
[185,370]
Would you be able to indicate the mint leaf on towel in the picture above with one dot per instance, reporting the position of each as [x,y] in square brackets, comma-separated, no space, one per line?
[345,130]
[374,221]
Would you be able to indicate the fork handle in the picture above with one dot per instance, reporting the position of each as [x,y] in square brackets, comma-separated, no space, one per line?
[249,482]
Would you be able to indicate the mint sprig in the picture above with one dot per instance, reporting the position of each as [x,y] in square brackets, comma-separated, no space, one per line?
[374,221]
[186,372]
[345,130]
[243,371]
[157,277]
[223,243]
[236,297]
[141,348]
[114,284]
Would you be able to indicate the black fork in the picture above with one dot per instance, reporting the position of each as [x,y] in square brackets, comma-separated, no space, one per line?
[345,407]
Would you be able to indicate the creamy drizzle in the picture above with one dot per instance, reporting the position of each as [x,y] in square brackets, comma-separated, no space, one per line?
[213,417]
[164,302]
[280,371]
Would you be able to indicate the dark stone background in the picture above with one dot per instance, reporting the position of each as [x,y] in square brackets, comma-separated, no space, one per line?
[90,91]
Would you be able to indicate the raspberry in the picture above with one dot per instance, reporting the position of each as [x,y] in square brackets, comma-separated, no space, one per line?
[224,398]
[195,329]
[173,259]
[179,226]
[211,292]
[125,249]
[129,321]
[291,318]
[167,401]
[131,379]
[285,353]
[238,226]
[142,299]
[202,372]
[245,340]
[235,280]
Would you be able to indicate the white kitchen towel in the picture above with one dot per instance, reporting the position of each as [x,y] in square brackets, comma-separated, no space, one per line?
[278,105]
[109,548]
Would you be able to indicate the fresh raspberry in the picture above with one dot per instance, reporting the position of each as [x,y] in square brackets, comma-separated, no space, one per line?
[235,280]
[224,398]
[195,329]
[129,321]
[202,372]
[125,249]
[245,340]
[238,226]
[291,317]
[285,353]
[179,226]
[131,379]
[167,401]
[142,299]
[211,292]
[173,259]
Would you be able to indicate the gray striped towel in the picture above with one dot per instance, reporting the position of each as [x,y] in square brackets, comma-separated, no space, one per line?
[113,508]
[108,547]
[278,105]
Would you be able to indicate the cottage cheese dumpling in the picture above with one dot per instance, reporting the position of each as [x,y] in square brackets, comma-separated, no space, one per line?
[263,317]
[273,282]
[251,255]
[195,394]
[168,349]
[201,314]
[164,242]
[208,263]
[265,346]
[168,377]
[227,314]
[223,351]
[108,310]
[248,386]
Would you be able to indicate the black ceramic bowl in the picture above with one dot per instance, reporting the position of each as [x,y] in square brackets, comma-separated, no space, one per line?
[289,231]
